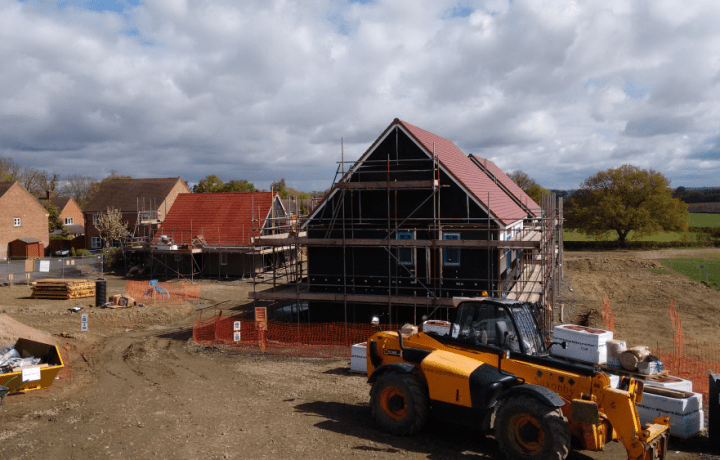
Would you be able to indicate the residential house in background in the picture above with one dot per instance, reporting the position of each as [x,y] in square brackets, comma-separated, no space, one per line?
[22,218]
[211,235]
[144,203]
[71,216]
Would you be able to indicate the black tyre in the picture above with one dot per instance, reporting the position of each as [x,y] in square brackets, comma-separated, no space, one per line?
[399,403]
[527,429]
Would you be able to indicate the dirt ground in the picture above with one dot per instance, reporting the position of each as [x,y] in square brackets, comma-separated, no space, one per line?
[138,387]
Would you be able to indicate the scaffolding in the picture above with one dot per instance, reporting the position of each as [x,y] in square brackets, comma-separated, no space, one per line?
[203,251]
[523,258]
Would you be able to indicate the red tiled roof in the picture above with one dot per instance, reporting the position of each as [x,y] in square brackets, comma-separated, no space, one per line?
[222,219]
[484,189]
[494,172]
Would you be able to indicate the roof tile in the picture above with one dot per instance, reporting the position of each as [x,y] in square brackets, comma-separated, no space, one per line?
[484,189]
[222,219]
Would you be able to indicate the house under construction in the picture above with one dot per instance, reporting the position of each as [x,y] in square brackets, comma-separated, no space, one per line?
[410,225]
[210,235]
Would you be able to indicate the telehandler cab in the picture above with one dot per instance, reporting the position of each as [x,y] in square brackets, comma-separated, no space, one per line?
[492,370]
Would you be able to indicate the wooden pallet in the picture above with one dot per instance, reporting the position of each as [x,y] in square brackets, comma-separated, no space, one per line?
[63,289]
[622,372]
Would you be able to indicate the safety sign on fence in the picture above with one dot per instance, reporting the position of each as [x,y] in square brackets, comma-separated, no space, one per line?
[83,322]
[261,325]
[237,325]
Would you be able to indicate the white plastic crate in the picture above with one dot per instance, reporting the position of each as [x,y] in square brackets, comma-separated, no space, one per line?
[670,382]
[681,426]
[581,352]
[436,326]
[358,358]
[672,406]
[582,335]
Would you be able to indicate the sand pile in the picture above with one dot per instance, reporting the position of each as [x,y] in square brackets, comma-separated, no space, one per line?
[11,330]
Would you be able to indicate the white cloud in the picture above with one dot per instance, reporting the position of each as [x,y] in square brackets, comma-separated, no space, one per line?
[264,89]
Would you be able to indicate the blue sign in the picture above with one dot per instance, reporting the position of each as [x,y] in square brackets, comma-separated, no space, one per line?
[153,282]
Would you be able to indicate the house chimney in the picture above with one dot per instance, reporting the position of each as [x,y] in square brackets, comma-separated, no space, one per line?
[49,194]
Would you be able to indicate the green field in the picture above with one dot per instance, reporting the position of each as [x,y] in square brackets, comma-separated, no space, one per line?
[704,220]
[572,235]
[705,270]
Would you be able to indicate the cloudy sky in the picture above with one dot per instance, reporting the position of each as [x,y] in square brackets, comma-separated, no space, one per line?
[264,89]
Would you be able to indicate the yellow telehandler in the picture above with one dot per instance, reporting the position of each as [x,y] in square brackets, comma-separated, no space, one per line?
[492,371]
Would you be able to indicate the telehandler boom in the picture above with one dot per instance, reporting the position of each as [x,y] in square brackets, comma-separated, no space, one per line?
[492,370]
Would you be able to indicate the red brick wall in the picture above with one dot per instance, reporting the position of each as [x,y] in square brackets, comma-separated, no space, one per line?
[17,202]
[71,209]
[165,206]
[90,231]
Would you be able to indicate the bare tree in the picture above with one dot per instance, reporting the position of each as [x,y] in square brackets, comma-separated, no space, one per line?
[80,188]
[111,226]
[522,180]
[9,169]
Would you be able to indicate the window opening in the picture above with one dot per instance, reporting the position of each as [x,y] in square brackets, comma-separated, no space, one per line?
[451,256]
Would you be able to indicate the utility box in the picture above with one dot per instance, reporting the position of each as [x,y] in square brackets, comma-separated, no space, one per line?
[50,364]
[714,404]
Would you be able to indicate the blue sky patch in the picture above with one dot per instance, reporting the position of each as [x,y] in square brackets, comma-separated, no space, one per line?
[635,90]
[461,12]
[593,83]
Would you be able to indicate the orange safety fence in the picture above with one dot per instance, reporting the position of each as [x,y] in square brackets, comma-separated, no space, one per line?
[689,359]
[163,293]
[298,339]
[693,364]
[608,315]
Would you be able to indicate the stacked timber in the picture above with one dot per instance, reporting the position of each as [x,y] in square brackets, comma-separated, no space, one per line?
[63,289]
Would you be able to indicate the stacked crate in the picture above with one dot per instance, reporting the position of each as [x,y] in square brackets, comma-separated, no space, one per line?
[584,344]
[63,289]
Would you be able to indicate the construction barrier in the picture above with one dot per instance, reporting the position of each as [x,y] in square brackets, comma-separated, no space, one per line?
[297,339]
[163,293]
[608,315]
[689,359]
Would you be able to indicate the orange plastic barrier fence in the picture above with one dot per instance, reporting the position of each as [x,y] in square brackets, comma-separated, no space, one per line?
[298,339]
[162,293]
[693,364]
[608,315]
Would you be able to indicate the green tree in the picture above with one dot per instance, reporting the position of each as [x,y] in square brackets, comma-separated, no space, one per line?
[111,226]
[239,186]
[211,184]
[280,187]
[528,185]
[626,199]
[536,192]
[54,222]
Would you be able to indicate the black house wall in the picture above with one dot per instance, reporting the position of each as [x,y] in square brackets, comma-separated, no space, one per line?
[374,214]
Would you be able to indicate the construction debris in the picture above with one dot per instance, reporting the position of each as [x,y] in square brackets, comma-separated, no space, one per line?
[63,289]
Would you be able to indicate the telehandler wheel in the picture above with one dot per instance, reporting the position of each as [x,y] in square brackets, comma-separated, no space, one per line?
[399,403]
[526,428]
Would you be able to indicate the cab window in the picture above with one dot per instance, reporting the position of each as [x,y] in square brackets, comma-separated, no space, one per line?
[476,323]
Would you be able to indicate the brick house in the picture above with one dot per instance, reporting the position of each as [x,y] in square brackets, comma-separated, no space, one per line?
[142,202]
[21,217]
[71,215]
